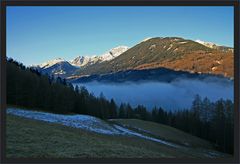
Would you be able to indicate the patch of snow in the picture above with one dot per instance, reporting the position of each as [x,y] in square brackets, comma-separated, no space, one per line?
[212,154]
[113,53]
[214,68]
[76,121]
[85,122]
[84,60]
[51,63]
[87,60]
[169,47]
[144,40]
[132,133]
[176,39]
[181,42]
[219,62]
[207,44]
[59,72]
[152,47]
[142,130]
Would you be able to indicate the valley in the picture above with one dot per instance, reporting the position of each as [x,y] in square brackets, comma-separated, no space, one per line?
[171,90]
[97,83]
[158,67]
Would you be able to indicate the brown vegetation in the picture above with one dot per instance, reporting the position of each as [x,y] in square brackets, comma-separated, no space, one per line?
[215,62]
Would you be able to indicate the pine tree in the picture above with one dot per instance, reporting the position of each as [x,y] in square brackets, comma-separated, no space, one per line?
[113,109]
[206,111]
[122,113]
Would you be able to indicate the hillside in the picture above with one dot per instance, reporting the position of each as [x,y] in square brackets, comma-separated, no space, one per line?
[35,139]
[32,138]
[218,63]
[170,52]
[160,74]
[164,132]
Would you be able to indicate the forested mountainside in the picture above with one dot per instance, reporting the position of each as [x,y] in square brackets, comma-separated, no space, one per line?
[160,74]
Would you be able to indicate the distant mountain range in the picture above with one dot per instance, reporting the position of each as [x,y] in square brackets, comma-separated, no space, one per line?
[215,46]
[62,68]
[88,60]
[57,67]
[170,52]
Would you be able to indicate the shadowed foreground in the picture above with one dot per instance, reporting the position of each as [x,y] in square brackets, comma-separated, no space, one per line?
[31,138]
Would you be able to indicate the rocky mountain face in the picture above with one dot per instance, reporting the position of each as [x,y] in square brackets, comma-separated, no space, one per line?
[89,60]
[62,68]
[113,53]
[81,61]
[57,67]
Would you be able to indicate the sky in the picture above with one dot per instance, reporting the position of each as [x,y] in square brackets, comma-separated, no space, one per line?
[38,34]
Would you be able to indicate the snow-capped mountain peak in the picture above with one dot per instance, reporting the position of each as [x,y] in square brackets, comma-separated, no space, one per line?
[84,60]
[51,63]
[109,55]
[207,44]
[114,52]
[146,39]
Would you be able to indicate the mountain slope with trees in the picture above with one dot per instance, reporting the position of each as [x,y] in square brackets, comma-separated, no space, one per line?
[160,74]
[171,52]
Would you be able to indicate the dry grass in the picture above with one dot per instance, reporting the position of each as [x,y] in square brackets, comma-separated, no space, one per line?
[30,138]
[165,132]
[215,62]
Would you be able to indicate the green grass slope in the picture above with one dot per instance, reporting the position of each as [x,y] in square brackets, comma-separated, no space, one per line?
[31,138]
[164,132]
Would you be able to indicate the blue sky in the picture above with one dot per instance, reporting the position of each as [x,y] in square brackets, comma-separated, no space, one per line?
[39,34]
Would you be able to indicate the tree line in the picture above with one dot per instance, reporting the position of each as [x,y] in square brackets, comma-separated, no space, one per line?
[27,87]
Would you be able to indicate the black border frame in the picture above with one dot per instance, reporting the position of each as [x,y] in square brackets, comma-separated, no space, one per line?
[5,3]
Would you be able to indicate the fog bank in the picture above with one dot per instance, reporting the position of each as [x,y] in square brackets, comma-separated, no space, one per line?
[178,94]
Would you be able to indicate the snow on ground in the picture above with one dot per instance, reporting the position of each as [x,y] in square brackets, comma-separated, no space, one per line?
[50,63]
[77,121]
[182,42]
[85,122]
[93,124]
[132,133]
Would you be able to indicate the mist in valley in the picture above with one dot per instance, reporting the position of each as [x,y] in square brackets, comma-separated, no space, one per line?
[175,95]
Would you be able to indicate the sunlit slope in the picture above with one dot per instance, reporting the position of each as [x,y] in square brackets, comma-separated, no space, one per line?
[170,52]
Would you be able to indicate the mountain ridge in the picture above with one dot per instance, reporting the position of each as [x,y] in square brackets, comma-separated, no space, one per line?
[170,52]
[107,56]
[164,52]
